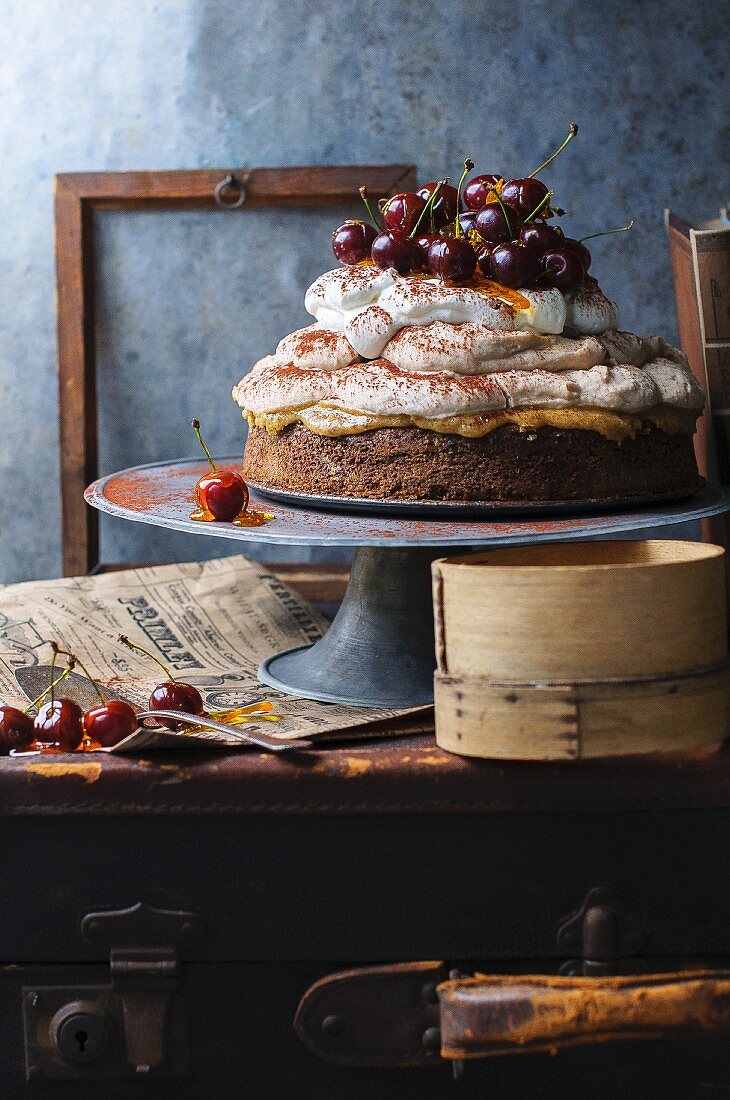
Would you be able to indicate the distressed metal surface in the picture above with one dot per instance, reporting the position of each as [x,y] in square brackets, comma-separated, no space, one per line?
[369,656]
[162,494]
[379,650]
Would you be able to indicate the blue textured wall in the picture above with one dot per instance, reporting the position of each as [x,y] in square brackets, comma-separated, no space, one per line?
[187,300]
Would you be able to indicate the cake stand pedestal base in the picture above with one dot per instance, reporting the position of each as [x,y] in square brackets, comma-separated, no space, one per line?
[379,650]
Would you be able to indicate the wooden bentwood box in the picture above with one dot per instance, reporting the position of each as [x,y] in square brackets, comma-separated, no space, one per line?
[557,652]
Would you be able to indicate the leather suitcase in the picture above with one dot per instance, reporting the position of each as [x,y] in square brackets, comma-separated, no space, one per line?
[263,880]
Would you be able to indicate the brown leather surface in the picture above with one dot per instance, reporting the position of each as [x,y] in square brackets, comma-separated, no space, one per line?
[400,775]
[408,1013]
[483,1016]
[372,1016]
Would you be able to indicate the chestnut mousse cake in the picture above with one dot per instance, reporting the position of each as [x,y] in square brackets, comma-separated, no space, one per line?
[498,373]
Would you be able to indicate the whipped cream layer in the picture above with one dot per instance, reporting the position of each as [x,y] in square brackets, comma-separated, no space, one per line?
[370,307]
[386,349]
[379,387]
[474,349]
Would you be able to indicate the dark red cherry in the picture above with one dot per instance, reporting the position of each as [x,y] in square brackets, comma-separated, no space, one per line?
[444,208]
[496,223]
[560,268]
[579,249]
[174,695]
[402,211]
[60,723]
[16,730]
[484,259]
[467,219]
[392,250]
[171,695]
[110,722]
[525,194]
[452,258]
[223,494]
[512,265]
[537,237]
[351,242]
[423,242]
[478,190]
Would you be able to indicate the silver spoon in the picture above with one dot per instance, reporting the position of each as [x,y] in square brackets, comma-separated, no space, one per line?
[252,737]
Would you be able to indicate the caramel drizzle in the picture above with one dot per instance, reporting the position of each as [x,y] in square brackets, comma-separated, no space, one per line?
[488,287]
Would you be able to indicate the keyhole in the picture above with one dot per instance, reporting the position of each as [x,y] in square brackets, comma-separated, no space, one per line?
[81,1038]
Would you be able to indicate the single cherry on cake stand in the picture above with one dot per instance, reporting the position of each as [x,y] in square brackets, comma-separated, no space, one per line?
[379,650]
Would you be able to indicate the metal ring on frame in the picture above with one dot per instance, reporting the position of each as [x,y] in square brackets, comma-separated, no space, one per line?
[230,183]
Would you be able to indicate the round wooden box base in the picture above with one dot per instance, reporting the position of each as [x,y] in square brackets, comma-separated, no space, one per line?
[571,721]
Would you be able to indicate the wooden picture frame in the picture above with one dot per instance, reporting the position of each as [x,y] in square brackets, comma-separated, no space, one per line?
[77,196]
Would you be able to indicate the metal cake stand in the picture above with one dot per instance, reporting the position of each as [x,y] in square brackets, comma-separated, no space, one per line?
[379,650]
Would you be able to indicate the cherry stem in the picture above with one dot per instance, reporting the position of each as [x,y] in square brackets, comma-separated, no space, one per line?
[468,166]
[196,428]
[428,208]
[140,649]
[74,660]
[54,684]
[502,207]
[53,670]
[543,200]
[608,232]
[571,134]
[368,207]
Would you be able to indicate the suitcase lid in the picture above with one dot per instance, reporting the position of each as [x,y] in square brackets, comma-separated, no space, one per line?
[393,850]
[405,775]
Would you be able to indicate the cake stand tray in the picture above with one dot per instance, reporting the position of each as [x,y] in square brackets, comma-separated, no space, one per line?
[475,509]
[379,650]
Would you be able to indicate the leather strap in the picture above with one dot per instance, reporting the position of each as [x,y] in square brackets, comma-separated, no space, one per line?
[408,1015]
[483,1016]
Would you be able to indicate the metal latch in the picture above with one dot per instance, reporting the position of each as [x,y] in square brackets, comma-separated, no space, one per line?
[604,936]
[132,1027]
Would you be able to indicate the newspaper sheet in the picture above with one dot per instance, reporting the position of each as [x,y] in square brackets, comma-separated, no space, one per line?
[211,622]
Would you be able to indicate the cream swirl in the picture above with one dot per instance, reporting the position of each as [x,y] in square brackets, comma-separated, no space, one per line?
[434,351]
[370,306]
[620,389]
[375,388]
[676,384]
[589,311]
[378,387]
[474,349]
[316,348]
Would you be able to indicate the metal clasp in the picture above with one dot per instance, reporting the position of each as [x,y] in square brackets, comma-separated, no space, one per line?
[132,1027]
[604,936]
[145,963]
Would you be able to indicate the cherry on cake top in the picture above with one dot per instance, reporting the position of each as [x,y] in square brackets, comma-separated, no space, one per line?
[491,225]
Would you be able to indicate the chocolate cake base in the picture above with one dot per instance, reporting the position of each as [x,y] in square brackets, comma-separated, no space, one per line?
[507,464]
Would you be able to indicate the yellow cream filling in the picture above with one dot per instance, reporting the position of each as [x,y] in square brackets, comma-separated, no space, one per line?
[328,421]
